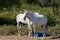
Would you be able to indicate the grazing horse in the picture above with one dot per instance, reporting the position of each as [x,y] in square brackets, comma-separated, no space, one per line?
[35,20]
[20,20]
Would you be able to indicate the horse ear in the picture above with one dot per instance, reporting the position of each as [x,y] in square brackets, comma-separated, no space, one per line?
[26,10]
[39,12]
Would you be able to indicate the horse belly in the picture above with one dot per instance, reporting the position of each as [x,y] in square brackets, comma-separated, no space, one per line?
[38,23]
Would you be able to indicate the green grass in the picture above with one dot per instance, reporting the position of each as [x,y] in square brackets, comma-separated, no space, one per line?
[55,30]
[12,30]
[8,30]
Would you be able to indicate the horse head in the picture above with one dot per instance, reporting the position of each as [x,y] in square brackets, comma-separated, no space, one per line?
[28,15]
[26,12]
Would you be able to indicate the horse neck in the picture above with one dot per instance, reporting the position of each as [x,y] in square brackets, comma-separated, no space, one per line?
[32,17]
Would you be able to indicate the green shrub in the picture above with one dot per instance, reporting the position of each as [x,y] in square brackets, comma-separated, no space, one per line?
[51,20]
[8,30]
[7,18]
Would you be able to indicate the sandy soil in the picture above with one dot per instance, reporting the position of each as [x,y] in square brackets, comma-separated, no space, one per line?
[25,38]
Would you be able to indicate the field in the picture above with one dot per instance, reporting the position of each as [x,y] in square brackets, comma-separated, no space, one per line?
[9,9]
[9,32]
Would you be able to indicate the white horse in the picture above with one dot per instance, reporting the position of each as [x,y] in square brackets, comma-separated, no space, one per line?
[35,20]
[20,20]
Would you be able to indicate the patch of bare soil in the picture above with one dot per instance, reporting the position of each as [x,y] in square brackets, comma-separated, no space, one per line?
[26,38]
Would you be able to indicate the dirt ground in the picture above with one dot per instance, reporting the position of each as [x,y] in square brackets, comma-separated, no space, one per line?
[25,38]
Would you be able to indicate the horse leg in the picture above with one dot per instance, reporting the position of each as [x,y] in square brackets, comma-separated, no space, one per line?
[18,28]
[41,27]
[29,30]
[43,38]
[34,30]
[46,29]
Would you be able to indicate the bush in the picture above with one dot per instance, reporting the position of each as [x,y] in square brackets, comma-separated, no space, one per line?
[51,20]
[8,30]
[7,18]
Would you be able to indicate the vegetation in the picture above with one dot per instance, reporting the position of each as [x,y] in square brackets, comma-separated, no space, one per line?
[8,30]
[10,8]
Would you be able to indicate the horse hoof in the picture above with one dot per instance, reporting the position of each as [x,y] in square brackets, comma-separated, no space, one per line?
[34,37]
[43,38]
[19,35]
[31,37]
